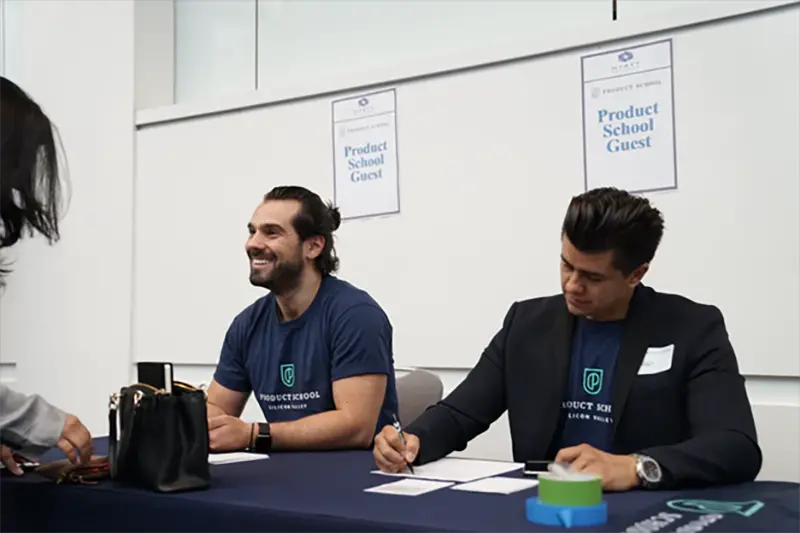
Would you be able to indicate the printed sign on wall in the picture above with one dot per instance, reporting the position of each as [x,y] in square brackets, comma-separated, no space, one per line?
[366,181]
[628,120]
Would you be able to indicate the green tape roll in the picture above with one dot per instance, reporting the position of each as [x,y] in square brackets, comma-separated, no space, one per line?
[577,490]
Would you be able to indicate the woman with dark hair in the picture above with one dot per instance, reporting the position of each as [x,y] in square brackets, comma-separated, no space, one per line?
[30,192]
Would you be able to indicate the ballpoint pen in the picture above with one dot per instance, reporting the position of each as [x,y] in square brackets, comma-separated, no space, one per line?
[403,438]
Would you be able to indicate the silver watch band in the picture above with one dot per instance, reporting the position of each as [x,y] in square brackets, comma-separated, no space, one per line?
[648,471]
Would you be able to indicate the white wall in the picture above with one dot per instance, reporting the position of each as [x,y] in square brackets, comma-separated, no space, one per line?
[66,311]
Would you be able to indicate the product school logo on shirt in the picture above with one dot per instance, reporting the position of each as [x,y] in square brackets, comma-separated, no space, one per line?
[592,380]
[580,408]
[287,374]
[288,401]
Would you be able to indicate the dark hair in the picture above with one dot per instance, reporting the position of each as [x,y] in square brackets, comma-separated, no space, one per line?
[314,219]
[30,189]
[610,219]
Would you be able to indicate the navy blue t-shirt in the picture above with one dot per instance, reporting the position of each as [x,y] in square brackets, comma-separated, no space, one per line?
[290,366]
[587,405]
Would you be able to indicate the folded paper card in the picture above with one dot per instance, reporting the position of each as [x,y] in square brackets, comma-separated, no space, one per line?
[498,485]
[408,487]
[234,457]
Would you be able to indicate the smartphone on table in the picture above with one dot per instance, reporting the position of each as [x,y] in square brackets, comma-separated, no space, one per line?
[27,465]
[534,468]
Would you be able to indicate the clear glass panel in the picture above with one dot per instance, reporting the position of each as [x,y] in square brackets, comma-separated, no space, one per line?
[12,58]
[215,48]
[2,38]
[302,41]
[637,9]
[236,46]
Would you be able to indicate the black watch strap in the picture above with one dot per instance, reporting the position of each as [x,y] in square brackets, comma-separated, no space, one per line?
[263,439]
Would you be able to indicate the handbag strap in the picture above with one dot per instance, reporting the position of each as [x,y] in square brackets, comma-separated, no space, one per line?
[130,397]
[113,406]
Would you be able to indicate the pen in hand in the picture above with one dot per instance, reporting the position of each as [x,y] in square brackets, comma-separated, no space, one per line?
[403,438]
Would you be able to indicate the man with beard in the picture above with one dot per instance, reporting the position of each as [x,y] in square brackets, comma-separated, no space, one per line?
[611,377]
[316,351]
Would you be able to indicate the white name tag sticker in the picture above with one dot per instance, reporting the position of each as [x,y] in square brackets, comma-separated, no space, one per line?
[657,360]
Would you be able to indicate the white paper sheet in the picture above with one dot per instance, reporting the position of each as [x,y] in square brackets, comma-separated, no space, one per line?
[234,457]
[498,485]
[454,469]
[408,487]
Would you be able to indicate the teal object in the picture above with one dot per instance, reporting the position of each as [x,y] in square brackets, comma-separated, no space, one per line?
[747,509]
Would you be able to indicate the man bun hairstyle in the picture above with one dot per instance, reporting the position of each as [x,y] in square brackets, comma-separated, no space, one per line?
[315,218]
[611,219]
[336,217]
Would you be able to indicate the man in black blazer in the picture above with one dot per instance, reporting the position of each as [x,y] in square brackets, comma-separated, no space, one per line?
[612,377]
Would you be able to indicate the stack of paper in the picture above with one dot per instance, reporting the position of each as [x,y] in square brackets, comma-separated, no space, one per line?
[455,469]
[234,457]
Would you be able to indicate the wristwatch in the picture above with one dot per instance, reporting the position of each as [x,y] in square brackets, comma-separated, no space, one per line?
[648,470]
[263,440]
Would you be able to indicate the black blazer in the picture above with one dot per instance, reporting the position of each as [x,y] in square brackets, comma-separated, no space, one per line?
[694,419]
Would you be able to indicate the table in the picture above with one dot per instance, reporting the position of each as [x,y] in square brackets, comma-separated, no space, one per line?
[324,492]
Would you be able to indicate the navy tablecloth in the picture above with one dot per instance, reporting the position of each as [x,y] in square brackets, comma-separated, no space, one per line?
[325,492]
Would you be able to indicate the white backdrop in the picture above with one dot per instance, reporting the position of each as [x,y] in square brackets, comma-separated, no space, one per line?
[488,161]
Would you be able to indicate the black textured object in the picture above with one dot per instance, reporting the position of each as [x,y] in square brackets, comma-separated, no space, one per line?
[163,443]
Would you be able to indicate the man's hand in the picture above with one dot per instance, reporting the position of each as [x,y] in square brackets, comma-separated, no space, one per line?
[617,472]
[7,457]
[228,433]
[390,453]
[74,437]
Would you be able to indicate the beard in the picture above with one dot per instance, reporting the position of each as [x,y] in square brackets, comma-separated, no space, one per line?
[284,276]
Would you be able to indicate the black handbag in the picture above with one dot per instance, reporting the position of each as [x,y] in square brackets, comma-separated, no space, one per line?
[163,444]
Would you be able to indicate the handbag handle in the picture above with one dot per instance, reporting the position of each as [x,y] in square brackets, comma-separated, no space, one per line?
[113,406]
[113,410]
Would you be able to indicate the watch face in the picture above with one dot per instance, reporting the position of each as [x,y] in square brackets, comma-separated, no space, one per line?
[650,470]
